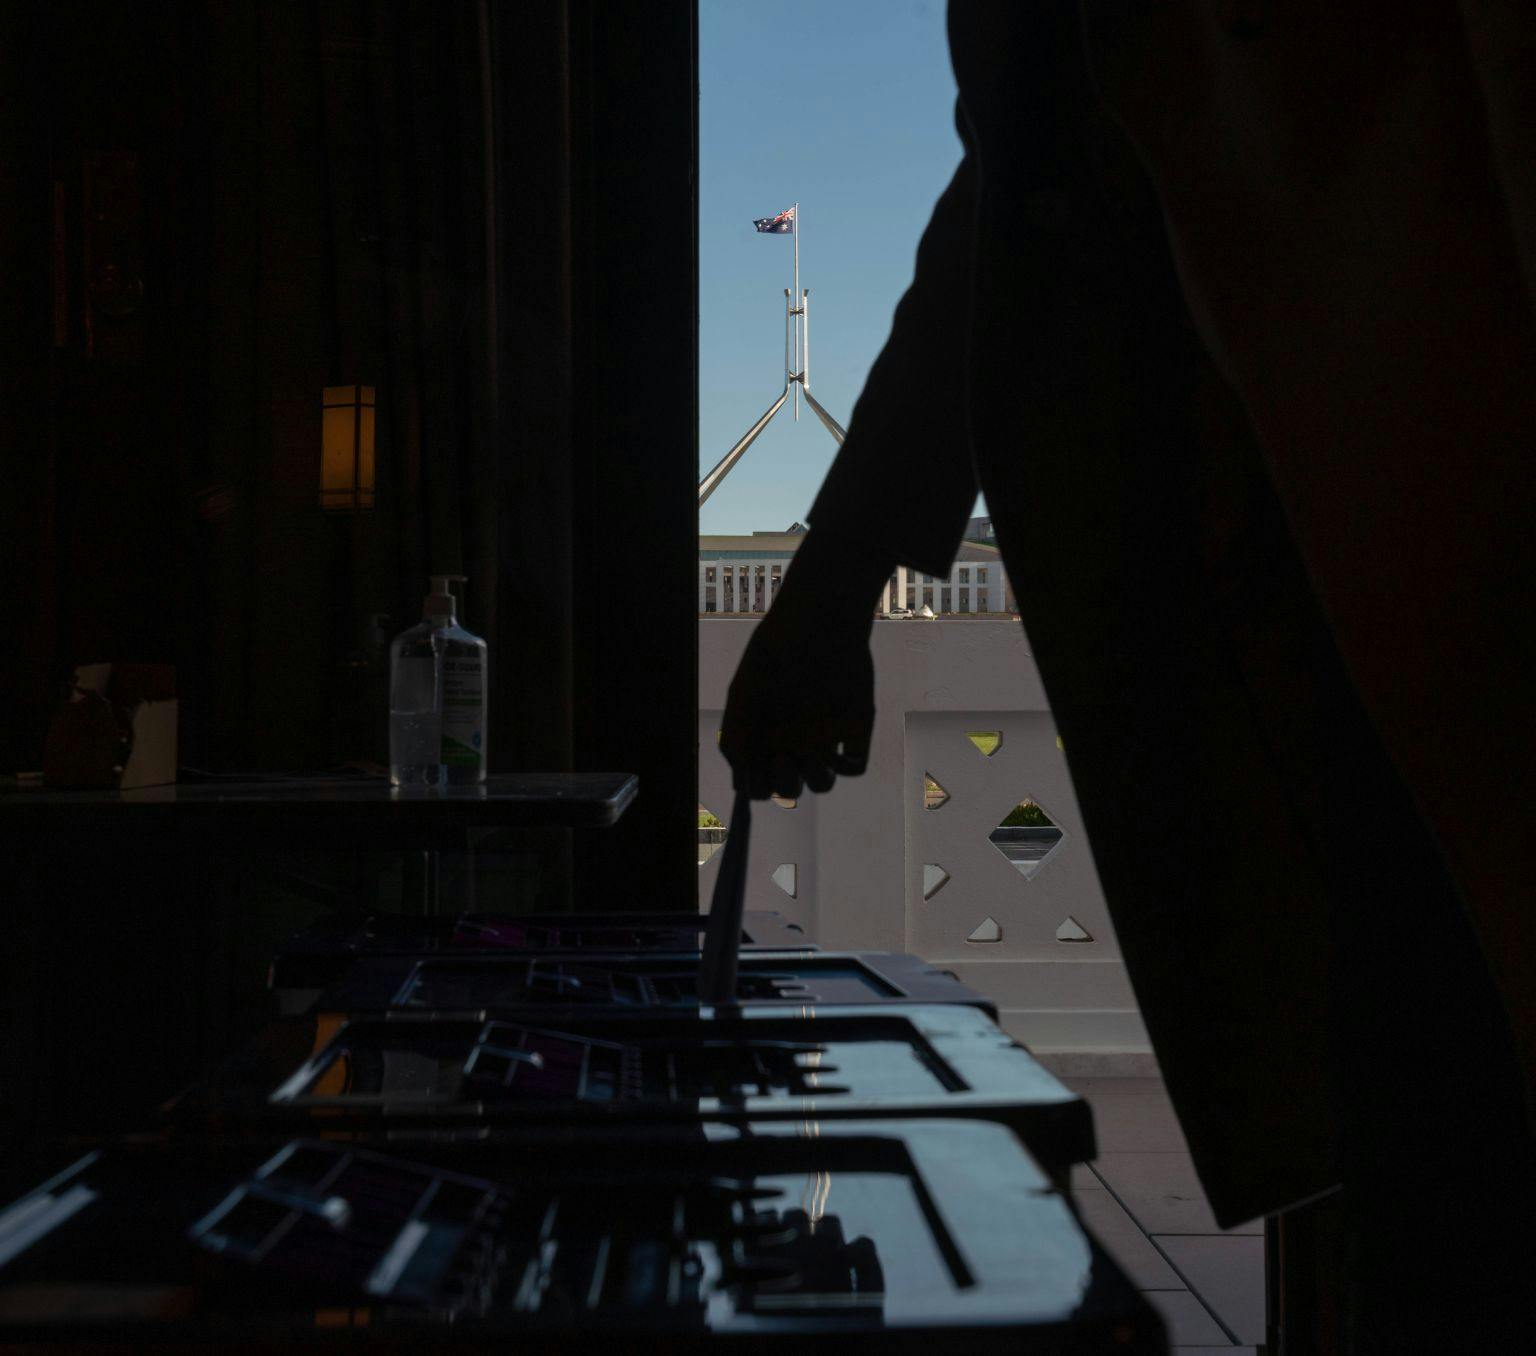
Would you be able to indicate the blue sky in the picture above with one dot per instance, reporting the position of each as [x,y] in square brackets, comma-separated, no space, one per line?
[845,106]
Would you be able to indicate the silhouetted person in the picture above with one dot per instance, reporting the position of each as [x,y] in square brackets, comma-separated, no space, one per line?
[1224,313]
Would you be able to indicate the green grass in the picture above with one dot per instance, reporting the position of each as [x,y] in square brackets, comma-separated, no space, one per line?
[1026,814]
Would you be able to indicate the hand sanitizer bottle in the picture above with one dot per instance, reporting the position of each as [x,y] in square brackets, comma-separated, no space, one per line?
[437,697]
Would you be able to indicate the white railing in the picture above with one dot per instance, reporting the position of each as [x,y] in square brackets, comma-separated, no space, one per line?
[872,866]
[748,587]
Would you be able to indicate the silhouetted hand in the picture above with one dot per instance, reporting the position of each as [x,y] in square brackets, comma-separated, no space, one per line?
[802,703]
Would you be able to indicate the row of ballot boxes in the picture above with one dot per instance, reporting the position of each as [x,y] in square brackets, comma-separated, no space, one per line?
[488,1130]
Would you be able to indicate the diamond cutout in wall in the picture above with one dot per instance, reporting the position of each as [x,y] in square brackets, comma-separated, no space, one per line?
[1026,837]
[935,877]
[988,930]
[784,877]
[712,834]
[934,795]
[987,741]
[1073,931]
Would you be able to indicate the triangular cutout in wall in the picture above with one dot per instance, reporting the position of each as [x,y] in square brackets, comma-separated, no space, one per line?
[987,742]
[1073,931]
[988,930]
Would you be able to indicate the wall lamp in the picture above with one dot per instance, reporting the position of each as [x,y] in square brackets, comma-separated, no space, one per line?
[346,449]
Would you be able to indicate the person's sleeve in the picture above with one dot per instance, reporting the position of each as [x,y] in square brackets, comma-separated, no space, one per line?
[1501,41]
[903,483]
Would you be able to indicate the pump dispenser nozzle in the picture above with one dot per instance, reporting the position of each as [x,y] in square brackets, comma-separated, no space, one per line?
[440,602]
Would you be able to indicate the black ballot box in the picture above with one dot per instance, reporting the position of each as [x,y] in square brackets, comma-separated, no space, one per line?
[638,983]
[879,1236]
[410,1071]
[319,956]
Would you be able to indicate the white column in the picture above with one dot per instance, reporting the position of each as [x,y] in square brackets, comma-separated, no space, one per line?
[901,586]
[703,569]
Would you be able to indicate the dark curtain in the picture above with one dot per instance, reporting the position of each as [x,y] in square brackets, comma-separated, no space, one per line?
[353,176]
[484,211]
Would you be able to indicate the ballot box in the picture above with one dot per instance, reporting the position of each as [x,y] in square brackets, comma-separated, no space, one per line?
[637,983]
[858,1236]
[410,1071]
[317,957]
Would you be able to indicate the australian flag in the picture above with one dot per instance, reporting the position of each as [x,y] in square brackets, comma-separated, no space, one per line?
[783,224]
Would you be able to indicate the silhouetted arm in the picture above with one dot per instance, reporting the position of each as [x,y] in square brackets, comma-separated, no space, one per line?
[801,705]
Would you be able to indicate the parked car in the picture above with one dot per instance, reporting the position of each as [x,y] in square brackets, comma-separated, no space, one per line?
[899,614]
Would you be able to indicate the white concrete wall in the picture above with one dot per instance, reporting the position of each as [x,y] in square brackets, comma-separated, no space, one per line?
[859,852]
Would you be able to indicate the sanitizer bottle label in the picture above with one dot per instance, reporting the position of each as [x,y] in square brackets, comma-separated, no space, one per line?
[463,705]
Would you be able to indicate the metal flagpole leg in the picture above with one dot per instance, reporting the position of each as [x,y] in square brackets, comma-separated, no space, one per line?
[711,482]
[837,431]
[796,233]
[805,327]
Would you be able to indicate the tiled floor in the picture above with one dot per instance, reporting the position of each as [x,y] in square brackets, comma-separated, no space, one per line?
[1141,1199]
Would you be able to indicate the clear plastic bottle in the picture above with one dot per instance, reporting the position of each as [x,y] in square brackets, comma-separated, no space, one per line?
[437,698]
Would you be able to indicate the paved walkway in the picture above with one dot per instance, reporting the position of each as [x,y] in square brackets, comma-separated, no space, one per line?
[1141,1199]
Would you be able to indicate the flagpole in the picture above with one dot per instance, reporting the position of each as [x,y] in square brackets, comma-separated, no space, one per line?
[794,297]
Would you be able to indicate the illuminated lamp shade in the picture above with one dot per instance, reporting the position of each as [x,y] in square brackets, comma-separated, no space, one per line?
[346,449]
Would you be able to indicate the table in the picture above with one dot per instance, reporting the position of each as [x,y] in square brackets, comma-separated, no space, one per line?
[328,811]
[323,813]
